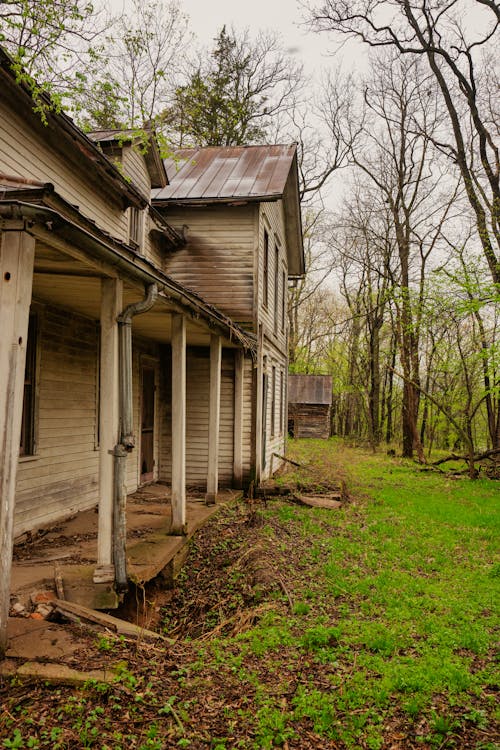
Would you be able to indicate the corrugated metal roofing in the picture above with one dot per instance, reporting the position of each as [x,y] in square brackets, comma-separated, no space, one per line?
[227,172]
[310,389]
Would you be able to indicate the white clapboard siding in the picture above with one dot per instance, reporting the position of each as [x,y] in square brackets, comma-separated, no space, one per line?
[217,261]
[275,443]
[24,153]
[272,220]
[63,478]
[275,334]
[134,166]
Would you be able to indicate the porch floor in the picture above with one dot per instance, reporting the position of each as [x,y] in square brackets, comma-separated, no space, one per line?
[70,547]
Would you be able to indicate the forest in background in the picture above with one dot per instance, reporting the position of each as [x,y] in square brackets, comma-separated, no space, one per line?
[400,303]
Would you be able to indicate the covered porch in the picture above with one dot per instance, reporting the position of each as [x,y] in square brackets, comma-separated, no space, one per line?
[98,401]
[62,557]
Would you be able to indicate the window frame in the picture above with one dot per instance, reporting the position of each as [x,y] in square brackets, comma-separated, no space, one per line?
[28,440]
[277,255]
[265,270]
[135,228]
[273,401]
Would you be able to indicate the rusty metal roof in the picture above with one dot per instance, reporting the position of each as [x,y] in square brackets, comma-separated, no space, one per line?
[310,389]
[226,173]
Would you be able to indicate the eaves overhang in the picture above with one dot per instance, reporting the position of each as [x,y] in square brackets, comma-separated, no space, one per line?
[65,137]
[129,264]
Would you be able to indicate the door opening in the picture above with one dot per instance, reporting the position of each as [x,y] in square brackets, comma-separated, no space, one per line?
[147,423]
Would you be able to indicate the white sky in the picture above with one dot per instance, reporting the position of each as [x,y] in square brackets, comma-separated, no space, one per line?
[208,16]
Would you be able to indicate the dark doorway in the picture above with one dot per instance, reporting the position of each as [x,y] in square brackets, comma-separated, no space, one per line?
[147,423]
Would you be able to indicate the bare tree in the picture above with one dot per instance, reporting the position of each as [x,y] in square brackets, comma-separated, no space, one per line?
[142,63]
[434,30]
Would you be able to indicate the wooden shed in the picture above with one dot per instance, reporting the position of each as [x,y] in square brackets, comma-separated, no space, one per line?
[309,406]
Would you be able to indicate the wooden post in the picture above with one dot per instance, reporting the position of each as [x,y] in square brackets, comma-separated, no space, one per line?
[239,365]
[214,419]
[17,253]
[109,415]
[178,424]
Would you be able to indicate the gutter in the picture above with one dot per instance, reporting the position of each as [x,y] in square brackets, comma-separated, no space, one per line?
[126,441]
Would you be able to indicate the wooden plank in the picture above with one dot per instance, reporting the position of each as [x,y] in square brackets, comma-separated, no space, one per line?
[109,415]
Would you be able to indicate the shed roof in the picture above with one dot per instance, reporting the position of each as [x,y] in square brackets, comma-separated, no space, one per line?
[227,172]
[215,175]
[310,389]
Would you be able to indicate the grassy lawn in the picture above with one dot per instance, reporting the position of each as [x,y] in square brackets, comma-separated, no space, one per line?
[371,626]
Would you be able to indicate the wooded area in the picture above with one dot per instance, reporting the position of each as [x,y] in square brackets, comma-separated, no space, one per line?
[401,300]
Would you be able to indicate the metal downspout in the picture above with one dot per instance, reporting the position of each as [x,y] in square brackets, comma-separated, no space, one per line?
[126,441]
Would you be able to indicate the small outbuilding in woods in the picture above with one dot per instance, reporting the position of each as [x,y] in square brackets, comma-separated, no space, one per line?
[309,406]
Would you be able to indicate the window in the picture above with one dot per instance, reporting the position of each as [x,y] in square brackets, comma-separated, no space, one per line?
[273,402]
[27,444]
[282,402]
[283,299]
[265,274]
[276,285]
[135,227]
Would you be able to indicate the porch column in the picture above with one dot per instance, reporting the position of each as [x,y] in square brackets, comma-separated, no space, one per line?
[17,253]
[239,364]
[111,307]
[214,419]
[178,424]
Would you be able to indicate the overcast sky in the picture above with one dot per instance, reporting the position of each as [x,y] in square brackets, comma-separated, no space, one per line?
[284,16]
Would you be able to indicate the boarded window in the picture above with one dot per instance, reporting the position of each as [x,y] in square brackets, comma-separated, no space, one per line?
[265,273]
[27,445]
[282,402]
[273,402]
[276,285]
[135,228]
[283,300]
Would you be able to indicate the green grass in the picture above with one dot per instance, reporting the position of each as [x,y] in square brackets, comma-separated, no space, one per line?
[401,598]
[370,627]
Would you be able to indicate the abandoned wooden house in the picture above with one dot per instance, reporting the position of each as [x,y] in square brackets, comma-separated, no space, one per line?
[142,340]
[309,406]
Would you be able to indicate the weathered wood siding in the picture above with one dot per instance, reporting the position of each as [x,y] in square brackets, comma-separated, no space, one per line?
[276,407]
[63,477]
[271,220]
[23,152]
[248,373]
[218,259]
[143,352]
[134,166]
[197,388]
[274,325]
[309,420]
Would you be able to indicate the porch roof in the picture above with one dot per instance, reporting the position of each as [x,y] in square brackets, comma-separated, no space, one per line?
[30,204]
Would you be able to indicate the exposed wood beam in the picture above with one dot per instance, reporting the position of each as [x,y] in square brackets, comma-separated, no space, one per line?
[111,307]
